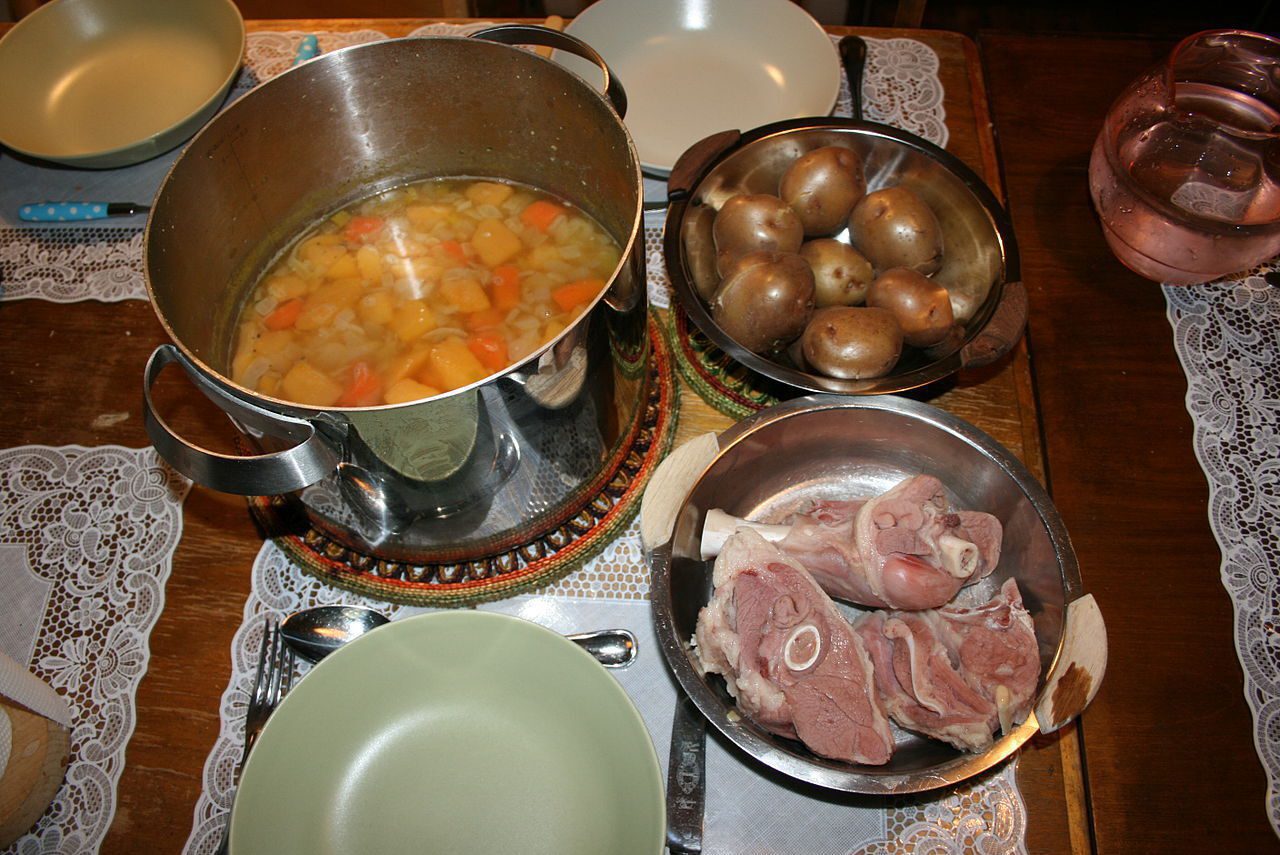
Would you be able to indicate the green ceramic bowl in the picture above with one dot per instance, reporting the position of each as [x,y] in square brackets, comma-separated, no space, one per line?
[453,732]
[106,83]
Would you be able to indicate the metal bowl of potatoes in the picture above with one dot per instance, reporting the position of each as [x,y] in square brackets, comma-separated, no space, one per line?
[979,257]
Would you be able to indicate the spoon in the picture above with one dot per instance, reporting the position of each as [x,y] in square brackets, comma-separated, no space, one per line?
[316,632]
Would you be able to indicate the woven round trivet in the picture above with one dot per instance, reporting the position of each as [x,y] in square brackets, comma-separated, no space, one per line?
[718,378]
[547,558]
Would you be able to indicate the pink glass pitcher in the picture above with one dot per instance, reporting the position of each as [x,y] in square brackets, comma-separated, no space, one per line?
[1185,174]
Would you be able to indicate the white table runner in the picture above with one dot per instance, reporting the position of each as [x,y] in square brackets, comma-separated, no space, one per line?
[1227,335]
[87,537]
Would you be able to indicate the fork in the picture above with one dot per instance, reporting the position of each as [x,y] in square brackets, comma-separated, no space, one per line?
[272,681]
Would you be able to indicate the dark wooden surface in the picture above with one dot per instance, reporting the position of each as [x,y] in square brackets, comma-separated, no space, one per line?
[1169,740]
[1168,744]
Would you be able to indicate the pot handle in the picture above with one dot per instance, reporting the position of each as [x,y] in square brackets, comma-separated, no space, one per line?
[256,475]
[1003,330]
[693,163]
[529,34]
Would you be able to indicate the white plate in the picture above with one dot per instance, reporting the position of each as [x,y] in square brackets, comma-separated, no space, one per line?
[460,732]
[691,68]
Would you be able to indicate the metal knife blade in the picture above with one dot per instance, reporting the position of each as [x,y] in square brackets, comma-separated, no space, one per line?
[61,212]
[686,778]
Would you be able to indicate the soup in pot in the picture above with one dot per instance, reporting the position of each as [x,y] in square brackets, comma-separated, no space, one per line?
[419,291]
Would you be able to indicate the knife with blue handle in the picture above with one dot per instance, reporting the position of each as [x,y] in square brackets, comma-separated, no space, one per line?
[308,48]
[68,212]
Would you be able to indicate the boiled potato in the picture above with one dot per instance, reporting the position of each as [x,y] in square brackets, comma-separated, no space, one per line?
[751,221]
[852,343]
[894,227]
[921,306]
[822,187]
[767,300]
[841,274]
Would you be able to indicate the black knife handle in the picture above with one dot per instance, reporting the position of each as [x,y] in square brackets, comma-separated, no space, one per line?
[686,779]
[853,53]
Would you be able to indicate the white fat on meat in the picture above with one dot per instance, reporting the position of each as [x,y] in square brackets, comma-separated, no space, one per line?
[906,549]
[788,656]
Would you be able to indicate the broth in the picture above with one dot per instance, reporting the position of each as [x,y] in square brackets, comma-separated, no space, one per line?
[419,291]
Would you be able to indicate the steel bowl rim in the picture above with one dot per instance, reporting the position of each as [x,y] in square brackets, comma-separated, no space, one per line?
[1002,224]
[827,773]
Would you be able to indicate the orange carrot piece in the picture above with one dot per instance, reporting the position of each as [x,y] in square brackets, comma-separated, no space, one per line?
[486,319]
[363,389]
[506,287]
[541,214]
[490,349]
[285,315]
[577,293]
[358,227]
[454,250]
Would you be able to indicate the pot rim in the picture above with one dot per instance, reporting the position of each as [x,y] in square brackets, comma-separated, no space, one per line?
[316,65]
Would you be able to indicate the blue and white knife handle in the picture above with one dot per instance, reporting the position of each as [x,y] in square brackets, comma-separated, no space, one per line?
[308,49]
[63,212]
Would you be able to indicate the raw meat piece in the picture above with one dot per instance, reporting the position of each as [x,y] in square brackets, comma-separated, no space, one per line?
[995,645]
[788,655]
[956,674]
[918,685]
[905,549]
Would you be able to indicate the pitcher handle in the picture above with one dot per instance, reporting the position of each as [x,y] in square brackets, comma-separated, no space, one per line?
[256,475]
[530,34]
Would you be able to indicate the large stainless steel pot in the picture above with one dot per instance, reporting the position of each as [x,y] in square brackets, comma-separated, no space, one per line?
[470,473]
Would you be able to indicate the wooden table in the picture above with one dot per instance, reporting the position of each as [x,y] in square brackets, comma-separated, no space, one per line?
[1169,740]
[1173,700]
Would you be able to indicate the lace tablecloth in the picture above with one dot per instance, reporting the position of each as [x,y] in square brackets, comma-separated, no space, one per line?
[86,543]
[747,811]
[1227,335]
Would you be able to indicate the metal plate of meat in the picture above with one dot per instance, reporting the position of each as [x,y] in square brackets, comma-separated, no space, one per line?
[832,447]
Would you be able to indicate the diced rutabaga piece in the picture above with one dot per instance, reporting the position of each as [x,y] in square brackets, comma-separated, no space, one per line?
[956,674]
[788,655]
[905,549]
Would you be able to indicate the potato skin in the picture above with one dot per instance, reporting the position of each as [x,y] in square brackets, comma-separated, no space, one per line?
[841,274]
[894,227]
[766,302]
[751,221]
[822,187]
[921,306]
[852,343]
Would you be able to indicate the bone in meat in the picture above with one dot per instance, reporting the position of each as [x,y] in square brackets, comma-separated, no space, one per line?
[788,655]
[905,549]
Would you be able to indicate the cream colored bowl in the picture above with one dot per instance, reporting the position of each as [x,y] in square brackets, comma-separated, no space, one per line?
[459,732]
[694,67]
[107,83]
